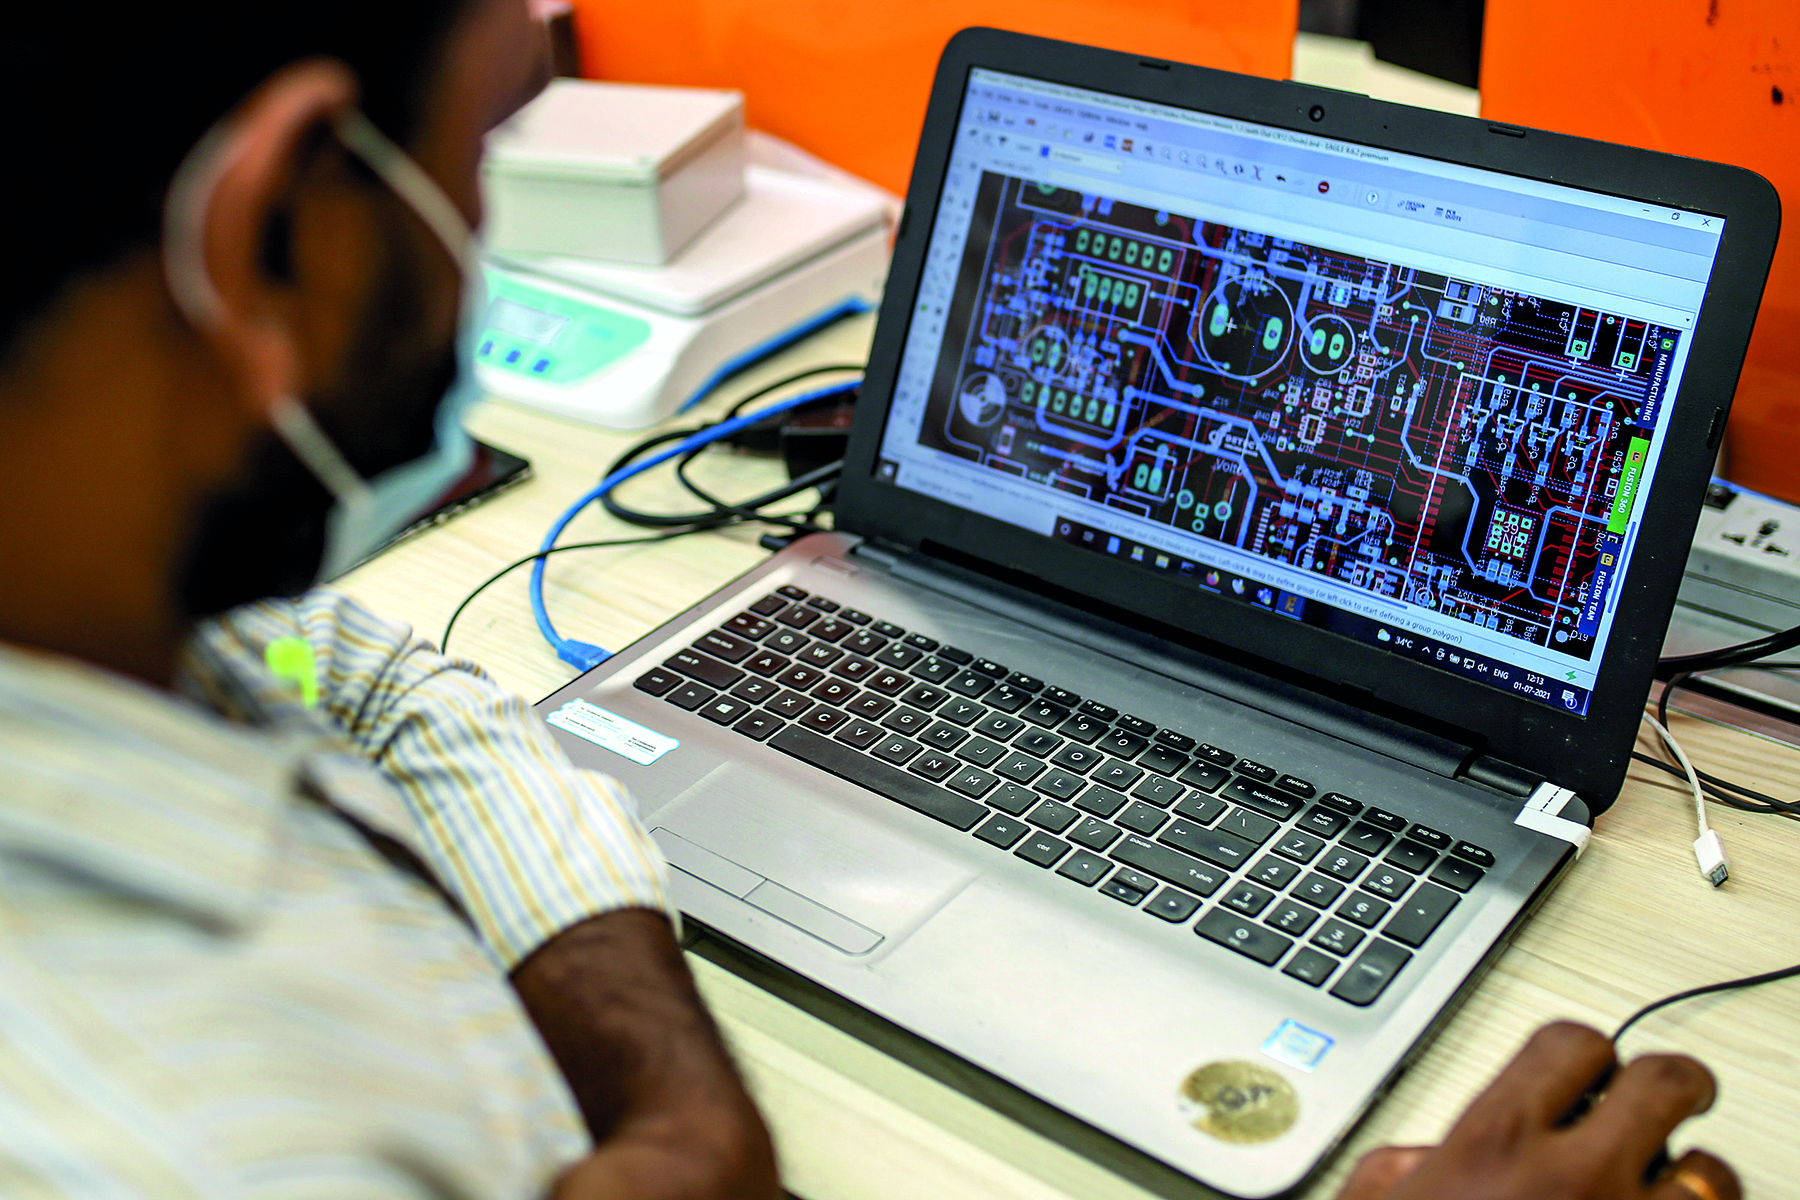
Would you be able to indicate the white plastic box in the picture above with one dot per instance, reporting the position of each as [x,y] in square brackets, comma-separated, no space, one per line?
[625,172]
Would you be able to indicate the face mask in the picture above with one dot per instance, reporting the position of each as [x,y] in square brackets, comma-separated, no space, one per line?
[365,513]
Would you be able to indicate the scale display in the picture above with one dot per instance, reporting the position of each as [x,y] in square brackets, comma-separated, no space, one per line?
[541,335]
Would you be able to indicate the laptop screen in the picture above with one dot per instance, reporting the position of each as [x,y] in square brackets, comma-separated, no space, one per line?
[1406,401]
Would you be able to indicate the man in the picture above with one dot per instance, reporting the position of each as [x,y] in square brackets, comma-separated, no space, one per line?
[346,923]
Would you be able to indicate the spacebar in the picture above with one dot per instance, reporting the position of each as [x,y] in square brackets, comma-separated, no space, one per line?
[877,776]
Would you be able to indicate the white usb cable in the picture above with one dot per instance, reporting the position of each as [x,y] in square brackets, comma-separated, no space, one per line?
[1709,851]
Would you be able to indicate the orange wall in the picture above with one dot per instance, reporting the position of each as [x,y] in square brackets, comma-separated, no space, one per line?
[1716,79]
[848,79]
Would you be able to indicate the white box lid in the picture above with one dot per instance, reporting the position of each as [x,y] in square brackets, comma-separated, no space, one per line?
[625,133]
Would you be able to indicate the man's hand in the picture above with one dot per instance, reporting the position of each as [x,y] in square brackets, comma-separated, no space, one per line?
[1533,1136]
[616,1005]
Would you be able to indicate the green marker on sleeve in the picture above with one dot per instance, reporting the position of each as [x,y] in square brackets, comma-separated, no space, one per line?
[290,659]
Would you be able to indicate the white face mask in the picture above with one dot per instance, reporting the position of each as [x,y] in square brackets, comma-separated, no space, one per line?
[364,513]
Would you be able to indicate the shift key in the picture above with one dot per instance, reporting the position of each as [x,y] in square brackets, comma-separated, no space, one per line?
[1170,866]
[1224,849]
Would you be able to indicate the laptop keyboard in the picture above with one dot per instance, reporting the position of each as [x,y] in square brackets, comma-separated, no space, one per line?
[1310,882]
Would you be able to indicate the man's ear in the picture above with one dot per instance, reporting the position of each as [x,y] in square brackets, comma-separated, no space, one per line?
[227,242]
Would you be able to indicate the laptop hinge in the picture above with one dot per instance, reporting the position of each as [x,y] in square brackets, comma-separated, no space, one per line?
[882,553]
[1502,776]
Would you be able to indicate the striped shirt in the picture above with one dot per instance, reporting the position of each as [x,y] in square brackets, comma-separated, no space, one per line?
[213,984]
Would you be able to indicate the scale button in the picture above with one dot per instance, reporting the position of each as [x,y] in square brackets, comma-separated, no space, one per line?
[512,356]
[541,365]
[486,348]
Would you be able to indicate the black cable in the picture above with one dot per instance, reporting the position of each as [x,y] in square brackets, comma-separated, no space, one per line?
[1745,800]
[741,402]
[1728,656]
[444,642]
[1727,986]
[747,510]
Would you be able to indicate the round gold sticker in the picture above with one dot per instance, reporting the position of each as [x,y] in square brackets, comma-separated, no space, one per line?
[1240,1102]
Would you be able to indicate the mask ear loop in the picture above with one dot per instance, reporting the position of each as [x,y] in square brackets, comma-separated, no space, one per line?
[409,180]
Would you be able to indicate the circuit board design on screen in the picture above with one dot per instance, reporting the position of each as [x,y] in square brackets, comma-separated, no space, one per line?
[1461,447]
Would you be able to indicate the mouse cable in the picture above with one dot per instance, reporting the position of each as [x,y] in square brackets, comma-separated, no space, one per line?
[1741,654]
[1728,985]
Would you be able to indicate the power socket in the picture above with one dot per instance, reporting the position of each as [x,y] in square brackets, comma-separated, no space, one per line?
[1748,541]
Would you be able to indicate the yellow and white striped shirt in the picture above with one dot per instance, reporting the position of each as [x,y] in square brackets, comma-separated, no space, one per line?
[213,985]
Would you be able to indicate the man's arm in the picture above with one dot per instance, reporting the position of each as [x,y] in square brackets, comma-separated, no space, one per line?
[617,1007]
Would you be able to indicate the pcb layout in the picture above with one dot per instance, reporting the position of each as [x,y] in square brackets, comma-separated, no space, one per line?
[1464,448]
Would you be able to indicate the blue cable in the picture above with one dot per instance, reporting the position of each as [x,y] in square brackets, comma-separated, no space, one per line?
[848,307]
[583,655]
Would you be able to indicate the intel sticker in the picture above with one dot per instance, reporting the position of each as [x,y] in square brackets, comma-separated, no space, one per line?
[1297,1046]
[610,730]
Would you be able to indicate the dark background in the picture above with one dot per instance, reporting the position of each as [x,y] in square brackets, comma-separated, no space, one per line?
[1438,37]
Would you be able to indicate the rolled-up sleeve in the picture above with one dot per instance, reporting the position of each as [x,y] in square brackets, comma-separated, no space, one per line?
[528,842]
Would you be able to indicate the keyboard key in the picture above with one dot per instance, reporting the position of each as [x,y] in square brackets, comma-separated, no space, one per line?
[863,642]
[1042,849]
[1042,712]
[1310,967]
[906,720]
[1411,856]
[1060,783]
[791,705]
[1214,755]
[974,782]
[1388,883]
[1225,849]
[919,641]
[792,592]
[1263,799]
[1301,847]
[888,629]
[1177,741]
[1119,891]
[934,765]
[690,696]
[1366,839]
[1195,807]
[1337,937]
[1430,837]
[726,646]
[944,736]
[656,681]
[1249,899]
[897,655]
[819,655]
[1092,833]
[1342,803]
[1226,928]
[769,605]
[1296,785]
[757,690]
[822,604]
[1062,696]
[786,641]
[1203,775]
[1170,866]
[757,725]
[1173,905]
[1383,819]
[961,658]
[998,726]
[831,630]
[797,616]
[897,785]
[1323,822]
[709,671]
[1134,879]
[831,691]
[1343,864]
[1036,741]
[855,669]
[1094,708]
[1163,760]
[888,682]
[800,677]
[1363,909]
[1420,914]
[1142,818]
[1136,725]
[1007,699]
[824,720]
[934,670]
[869,705]
[1274,872]
[1154,789]
[1114,773]
[1252,827]
[1123,744]
[1453,873]
[1053,816]
[1258,771]
[1076,757]
[923,695]
[1291,918]
[1020,767]
[723,710]
[981,752]
[961,712]
[855,616]
[1318,891]
[1024,682]
[989,667]
[858,733]
[970,683]
[1082,728]
[1084,868]
[1101,801]
[1474,853]
[1370,975]
[1011,798]
[1001,832]
[897,750]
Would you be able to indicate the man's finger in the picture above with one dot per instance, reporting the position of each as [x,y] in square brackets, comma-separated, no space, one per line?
[1380,1171]
[1540,1085]
[1698,1176]
[1648,1098]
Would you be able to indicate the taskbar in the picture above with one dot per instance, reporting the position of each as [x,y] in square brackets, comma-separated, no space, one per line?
[1510,677]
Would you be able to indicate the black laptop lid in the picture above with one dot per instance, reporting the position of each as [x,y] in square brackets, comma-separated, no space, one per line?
[1416,406]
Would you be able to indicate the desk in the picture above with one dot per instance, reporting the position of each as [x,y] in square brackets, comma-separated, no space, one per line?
[1633,920]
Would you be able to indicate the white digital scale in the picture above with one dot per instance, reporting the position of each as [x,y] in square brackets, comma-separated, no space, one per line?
[624,346]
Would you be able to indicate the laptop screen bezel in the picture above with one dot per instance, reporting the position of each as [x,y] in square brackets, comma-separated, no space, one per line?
[1588,754]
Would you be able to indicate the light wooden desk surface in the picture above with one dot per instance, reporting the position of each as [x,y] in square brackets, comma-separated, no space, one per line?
[1633,920]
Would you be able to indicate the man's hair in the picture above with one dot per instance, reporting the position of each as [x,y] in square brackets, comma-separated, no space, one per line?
[104,99]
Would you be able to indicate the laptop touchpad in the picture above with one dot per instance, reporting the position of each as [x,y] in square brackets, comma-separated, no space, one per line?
[812,863]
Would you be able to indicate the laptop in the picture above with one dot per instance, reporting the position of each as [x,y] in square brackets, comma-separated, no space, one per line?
[1261,515]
